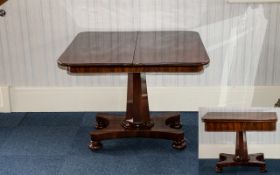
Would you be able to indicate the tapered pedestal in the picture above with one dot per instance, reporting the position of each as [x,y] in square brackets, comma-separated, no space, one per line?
[241,157]
[137,121]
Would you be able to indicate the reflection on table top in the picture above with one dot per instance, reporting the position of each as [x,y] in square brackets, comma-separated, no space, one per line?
[136,49]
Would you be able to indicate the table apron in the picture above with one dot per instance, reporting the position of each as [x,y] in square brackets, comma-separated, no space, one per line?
[132,69]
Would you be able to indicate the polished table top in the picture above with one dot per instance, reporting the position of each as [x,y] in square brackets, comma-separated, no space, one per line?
[240,116]
[163,51]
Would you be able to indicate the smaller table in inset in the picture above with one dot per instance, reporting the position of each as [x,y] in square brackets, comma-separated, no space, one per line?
[240,122]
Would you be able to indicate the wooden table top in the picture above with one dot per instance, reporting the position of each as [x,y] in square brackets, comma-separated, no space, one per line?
[240,121]
[240,116]
[165,51]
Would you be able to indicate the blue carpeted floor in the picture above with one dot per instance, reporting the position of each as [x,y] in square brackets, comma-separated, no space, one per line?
[207,167]
[56,143]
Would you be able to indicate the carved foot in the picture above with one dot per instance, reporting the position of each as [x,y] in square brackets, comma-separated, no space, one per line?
[263,169]
[219,169]
[260,157]
[256,160]
[222,157]
[176,125]
[101,122]
[174,122]
[180,145]
[100,125]
[95,145]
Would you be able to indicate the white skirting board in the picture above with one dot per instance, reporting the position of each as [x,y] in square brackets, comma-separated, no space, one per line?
[60,99]
[4,99]
[211,151]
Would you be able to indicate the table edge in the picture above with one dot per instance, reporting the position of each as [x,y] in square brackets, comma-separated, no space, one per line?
[115,68]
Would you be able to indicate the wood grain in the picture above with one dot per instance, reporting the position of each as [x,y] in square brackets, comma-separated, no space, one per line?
[240,116]
[132,69]
[240,121]
[165,127]
[137,121]
[100,49]
[179,48]
[135,52]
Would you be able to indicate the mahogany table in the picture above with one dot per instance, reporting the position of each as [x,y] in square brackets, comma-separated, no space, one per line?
[136,53]
[240,122]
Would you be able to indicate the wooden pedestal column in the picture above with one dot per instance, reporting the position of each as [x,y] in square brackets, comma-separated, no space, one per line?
[241,157]
[137,121]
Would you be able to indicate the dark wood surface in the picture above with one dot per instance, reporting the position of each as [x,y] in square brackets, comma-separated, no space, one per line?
[100,49]
[254,160]
[169,48]
[240,116]
[165,126]
[137,103]
[132,69]
[135,52]
[240,122]
[2,1]
[137,121]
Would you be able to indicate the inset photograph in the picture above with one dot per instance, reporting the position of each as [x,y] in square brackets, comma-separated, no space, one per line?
[239,141]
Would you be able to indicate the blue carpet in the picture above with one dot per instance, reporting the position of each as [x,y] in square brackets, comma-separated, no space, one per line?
[56,144]
[39,140]
[53,119]
[11,119]
[4,134]
[207,167]
[40,165]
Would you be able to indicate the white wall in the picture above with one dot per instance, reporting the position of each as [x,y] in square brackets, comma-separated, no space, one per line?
[242,39]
